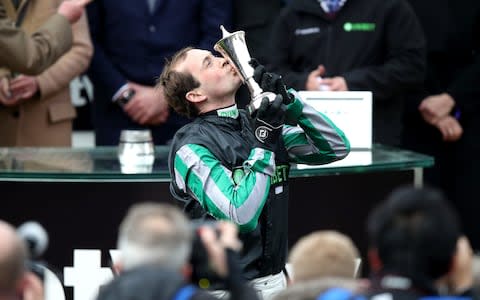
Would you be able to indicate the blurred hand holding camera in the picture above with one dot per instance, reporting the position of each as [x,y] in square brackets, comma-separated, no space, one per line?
[33,287]
[461,276]
[217,241]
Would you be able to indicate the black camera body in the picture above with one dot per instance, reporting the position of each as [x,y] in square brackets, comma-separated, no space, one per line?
[202,273]
[36,268]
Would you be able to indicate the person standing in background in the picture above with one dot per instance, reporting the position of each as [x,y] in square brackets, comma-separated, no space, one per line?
[38,111]
[131,43]
[32,54]
[352,45]
[442,119]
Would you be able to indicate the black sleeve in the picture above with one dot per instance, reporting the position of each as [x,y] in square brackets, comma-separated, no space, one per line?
[405,62]
[466,88]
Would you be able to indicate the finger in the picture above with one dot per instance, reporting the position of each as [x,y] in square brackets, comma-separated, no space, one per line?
[254,62]
[5,87]
[336,86]
[267,81]
[4,95]
[262,108]
[316,73]
[258,73]
[19,85]
[443,131]
[208,237]
[264,104]
[26,95]
[457,132]
[82,2]
[277,102]
[143,120]
[321,70]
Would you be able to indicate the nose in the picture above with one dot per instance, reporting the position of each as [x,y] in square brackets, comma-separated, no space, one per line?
[223,62]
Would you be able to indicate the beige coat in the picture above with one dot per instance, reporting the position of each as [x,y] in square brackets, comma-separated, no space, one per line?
[32,55]
[46,120]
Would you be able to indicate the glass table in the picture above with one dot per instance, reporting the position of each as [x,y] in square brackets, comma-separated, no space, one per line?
[101,163]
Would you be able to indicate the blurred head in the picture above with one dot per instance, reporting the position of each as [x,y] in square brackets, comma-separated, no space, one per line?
[13,256]
[323,254]
[414,233]
[154,234]
[194,81]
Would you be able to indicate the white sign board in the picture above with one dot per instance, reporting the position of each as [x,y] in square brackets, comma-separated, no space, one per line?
[350,111]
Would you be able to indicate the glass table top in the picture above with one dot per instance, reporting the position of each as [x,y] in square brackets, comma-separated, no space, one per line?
[102,163]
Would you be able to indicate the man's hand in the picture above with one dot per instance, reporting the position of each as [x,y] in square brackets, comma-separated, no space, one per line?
[312,83]
[268,122]
[460,277]
[72,9]
[450,128]
[337,84]
[22,87]
[270,82]
[216,246]
[148,106]
[32,287]
[5,92]
[433,108]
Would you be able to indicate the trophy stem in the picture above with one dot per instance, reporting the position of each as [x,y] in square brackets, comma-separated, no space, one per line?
[253,87]
[257,101]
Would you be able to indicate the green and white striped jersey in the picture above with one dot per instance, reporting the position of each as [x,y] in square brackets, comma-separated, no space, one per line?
[240,194]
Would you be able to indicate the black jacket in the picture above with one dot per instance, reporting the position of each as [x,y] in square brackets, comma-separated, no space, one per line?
[453,59]
[376,45]
[231,140]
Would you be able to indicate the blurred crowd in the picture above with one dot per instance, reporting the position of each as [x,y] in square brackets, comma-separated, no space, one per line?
[416,250]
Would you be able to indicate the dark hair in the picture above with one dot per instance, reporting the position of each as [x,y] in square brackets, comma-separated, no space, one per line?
[415,232]
[177,84]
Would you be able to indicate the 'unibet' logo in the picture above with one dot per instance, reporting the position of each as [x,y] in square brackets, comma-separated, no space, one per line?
[358,26]
[261,133]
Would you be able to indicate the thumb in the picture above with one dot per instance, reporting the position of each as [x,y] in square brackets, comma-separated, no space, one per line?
[321,70]
[82,2]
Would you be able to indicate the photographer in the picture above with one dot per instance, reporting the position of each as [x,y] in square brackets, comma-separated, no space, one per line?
[16,282]
[155,244]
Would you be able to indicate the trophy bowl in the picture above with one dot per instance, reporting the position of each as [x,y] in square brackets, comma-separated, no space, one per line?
[233,48]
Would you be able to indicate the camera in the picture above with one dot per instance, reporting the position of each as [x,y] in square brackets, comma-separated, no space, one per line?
[36,240]
[36,268]
[202,274]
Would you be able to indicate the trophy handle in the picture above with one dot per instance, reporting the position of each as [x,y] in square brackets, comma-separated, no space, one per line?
[257,101]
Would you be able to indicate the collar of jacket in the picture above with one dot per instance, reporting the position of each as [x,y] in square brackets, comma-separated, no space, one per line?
[226,112]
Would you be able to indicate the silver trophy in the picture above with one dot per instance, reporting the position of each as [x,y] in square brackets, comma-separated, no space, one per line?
[232,47]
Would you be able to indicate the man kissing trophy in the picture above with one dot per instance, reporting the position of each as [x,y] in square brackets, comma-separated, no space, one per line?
[233,47]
